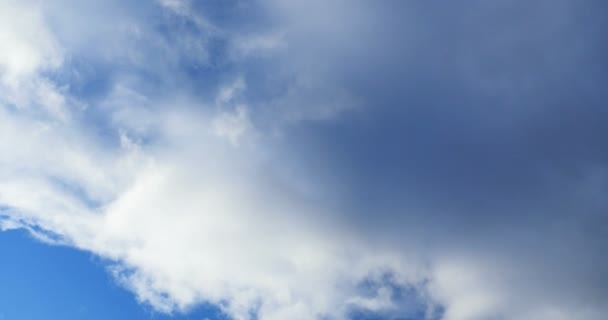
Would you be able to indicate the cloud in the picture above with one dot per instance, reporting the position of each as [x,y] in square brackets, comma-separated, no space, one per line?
[360,158]
[32,49]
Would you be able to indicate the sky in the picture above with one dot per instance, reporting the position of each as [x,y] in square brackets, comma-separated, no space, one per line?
[303,160]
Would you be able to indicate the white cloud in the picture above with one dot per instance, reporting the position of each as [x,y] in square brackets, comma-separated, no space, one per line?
[258,44]
[192,218]
[228,93]
[23,55]
[198,221]
[232,126]
[26,45]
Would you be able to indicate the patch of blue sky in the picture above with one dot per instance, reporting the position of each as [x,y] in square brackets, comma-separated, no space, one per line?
[38,281]
[410,302]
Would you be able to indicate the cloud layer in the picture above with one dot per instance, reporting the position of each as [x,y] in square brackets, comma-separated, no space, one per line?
[314,160]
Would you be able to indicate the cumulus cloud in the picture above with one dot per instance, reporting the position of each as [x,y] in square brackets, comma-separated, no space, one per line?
[359,159]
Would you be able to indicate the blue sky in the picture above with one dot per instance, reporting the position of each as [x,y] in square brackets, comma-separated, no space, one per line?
[69,284]
[347,159]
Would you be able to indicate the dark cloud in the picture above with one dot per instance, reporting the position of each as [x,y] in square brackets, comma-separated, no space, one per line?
[482,132]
